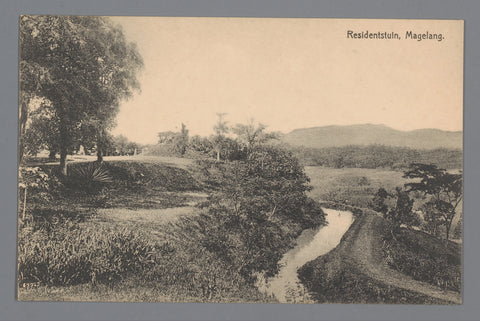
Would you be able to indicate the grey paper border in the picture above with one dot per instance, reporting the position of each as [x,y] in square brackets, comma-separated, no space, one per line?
[428,9]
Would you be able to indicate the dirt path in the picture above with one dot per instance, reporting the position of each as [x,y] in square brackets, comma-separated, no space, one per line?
[366,250]
[147,216]
[179,162]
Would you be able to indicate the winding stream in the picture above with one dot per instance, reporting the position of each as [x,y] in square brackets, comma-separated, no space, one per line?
[310,244]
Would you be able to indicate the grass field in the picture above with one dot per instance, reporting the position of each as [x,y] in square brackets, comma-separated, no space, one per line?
[354,186]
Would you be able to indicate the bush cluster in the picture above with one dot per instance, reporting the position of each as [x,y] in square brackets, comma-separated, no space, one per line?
[71,254]
[425,259]
[62,250]
[346,283]
[257,210]
[193,269]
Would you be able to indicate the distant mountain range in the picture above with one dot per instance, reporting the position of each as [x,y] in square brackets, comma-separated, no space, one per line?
[368,134]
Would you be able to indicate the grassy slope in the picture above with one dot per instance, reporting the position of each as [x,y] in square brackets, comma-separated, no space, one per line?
[356,272]
[137,183]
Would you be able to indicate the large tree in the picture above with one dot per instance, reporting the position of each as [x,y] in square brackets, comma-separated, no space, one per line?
[443,189]
[83,66]
[401,212]
[251,134]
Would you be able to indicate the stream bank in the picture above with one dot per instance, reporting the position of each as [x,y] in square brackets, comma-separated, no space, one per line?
[312,243]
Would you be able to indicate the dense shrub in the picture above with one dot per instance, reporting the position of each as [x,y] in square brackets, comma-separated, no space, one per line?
[61,249]
[424,258]
[257,210]
[40,185]
[201,147]
[347,283]
[72,254]
[89,177]
[196,268]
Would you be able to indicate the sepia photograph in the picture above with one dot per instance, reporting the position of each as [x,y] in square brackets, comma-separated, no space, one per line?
[240,160]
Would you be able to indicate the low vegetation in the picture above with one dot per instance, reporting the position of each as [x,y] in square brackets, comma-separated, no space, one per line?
[353,285]
[378,156]
[422,257]
[130,184]
[356,271]
[239,233]
[65,253]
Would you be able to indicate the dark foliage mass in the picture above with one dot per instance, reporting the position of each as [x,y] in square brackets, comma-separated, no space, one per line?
[399,213]
[352,285]
[378,156]
[68,254]
[425,259]
[443,192]
[257,210]
[435,192]
[77,70]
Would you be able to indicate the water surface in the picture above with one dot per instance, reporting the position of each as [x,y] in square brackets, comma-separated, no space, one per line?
[310,244]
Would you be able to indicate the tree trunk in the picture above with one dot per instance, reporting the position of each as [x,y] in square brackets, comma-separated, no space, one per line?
[21,147]
[99,146]
[65,142]
[447,230]
[52,154]
[21,128]
[99,155]
[218,155]
[24,204]
[63,161]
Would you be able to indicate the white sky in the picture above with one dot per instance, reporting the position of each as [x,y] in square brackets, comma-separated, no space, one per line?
[291,73]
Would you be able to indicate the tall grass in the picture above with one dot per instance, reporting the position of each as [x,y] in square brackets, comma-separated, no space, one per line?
[70,253]
[425,258]
[63,251]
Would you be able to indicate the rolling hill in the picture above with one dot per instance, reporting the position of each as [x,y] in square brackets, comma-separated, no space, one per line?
[368,134]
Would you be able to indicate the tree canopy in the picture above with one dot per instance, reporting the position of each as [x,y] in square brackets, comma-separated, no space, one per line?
[83,67]
[444,191]
[258,207]
[252,134]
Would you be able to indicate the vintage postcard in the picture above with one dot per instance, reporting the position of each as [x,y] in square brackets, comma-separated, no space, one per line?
[250,160]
